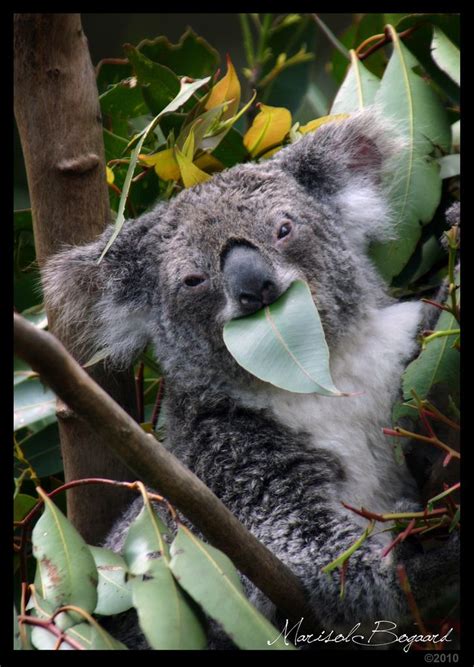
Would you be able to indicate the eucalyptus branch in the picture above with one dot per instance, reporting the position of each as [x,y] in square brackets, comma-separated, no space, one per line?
[150,461]
[332,37]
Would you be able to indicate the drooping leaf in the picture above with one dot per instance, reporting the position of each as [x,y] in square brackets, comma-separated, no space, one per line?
[284,344]
[66,566]
[421,120]
[226,90]
[165,615]
[191,174]
[211,579]
[270,126]
[446,55]
[33,403]
[113,591]
[315,124]
[358,89]
[191,56]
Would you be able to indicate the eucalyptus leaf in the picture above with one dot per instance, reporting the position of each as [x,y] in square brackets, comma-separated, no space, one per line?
[113,590]
[42,451]
[67,570]
[44,640]
[164,614]
[446,55]
[420,119]
[94,638]
[33,402]
[22,504]
[284,344]
[358,89]
[437,364]
[212,580]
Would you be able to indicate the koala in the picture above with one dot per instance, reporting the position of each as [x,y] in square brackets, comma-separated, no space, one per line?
[283,463]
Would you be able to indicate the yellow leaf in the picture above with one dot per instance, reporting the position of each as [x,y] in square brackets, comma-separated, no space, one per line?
[317,122]
[164,163]
[190,174]
[209,163]
[110,175]
[226,90]
[271,153]
[268,129]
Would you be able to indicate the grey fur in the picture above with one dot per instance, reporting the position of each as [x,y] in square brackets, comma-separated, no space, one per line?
[281,464]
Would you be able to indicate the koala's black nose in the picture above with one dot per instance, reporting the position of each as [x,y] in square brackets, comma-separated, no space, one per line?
[249,278]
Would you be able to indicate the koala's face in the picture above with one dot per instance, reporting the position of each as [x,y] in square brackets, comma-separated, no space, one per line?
[236,243]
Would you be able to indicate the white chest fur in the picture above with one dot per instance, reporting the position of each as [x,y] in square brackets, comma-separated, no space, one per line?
[370,363]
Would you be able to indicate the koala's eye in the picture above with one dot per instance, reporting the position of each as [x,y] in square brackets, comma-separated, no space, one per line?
[195,279]
[284,230]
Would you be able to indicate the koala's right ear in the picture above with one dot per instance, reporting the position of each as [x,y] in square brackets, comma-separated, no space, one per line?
[104,307]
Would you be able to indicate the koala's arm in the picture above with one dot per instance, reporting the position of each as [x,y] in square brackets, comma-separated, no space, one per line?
[288,496]
[102,306]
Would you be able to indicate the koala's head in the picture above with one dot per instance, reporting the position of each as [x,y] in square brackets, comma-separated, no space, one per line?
[230,246]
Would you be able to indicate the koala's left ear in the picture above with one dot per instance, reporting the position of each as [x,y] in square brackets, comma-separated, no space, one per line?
[105,307]
[344,163]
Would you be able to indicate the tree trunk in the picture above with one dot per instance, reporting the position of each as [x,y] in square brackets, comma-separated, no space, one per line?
[59,122]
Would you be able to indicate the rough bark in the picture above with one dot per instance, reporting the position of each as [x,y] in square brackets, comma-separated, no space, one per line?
[157,467]
[59,122]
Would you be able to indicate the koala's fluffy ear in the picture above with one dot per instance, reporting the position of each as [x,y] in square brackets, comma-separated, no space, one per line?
[104,307]
[344,163]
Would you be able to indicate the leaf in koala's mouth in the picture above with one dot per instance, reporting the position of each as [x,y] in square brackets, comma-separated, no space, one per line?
[284,344]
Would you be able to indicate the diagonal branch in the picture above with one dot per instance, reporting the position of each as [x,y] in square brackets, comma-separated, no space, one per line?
[151,462]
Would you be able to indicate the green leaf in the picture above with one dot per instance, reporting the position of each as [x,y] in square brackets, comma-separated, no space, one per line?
[36,315]
[284,344]
[437,364]
[164,614]
[110,73]
[33,402]
[113,591]
[191,56]
[43,452]
[416,186]
[124,100]
[212,580]
[94,638]
[446,55]
[158,83]
[358,89]
[22,504]
[66,566]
